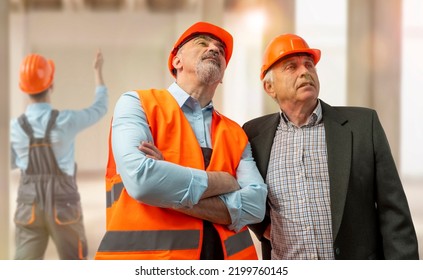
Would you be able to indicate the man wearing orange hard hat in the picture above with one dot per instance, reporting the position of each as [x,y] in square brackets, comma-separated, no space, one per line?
[42,147]
[181,182]
[334,190]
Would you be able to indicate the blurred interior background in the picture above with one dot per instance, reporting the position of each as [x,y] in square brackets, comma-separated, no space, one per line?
[371,56]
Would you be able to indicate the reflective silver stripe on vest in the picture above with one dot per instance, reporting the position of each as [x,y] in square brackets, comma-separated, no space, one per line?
[129,241]
[113,194]
[238,242]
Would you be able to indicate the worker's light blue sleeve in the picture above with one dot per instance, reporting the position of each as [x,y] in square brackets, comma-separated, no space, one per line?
[154,182]
[77,120]
[248,205]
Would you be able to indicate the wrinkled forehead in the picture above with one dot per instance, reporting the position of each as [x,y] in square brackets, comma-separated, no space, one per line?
[290,57]
[202,36]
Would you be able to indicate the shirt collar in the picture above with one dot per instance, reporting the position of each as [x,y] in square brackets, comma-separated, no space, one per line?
[314,119]
[183,98]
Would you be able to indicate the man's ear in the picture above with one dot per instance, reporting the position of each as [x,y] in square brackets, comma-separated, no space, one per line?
[177,62]
[269,89]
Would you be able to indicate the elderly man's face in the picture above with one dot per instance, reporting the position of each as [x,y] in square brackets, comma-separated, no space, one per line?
[205,57]
[295,80]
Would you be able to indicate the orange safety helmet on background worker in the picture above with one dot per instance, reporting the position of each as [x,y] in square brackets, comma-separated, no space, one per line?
[174,162]
[42,146]
[36,74]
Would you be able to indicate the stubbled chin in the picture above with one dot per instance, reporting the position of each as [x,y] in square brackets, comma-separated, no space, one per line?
[307,90]
[307,94]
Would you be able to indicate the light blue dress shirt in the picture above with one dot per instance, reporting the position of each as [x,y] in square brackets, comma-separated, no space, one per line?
[165,184]
[68,124]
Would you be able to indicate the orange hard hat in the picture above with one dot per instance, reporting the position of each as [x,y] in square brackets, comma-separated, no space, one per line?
[282,46]
[36,74]
[202,28]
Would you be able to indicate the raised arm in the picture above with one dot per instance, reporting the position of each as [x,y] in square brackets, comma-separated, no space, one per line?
[98,68]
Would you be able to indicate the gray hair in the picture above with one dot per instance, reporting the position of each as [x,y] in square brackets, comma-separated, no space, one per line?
[268,77]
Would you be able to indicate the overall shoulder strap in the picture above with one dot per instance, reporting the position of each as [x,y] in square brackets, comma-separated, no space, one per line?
[53,116]
[24,123]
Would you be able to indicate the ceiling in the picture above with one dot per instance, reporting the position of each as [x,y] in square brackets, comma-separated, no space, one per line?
[101,5]
[117,5]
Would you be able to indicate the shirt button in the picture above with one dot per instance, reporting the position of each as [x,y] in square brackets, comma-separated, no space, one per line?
[337,251]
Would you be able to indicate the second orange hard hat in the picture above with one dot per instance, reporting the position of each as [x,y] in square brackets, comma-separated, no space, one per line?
[282,46]
[36,74]
[202,28]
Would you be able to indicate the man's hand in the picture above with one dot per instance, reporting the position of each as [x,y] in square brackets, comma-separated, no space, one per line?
[266,233]
[98,68]
[150,150]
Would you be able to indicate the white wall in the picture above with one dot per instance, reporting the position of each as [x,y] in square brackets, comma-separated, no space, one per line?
[411,90]
[243,91]
[323,25]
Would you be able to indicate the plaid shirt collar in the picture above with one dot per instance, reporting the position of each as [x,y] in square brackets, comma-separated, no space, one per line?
[314,119]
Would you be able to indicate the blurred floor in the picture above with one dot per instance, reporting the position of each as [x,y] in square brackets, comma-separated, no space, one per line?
[91,188]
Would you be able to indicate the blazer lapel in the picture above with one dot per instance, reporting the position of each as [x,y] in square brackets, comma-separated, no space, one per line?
[339,148]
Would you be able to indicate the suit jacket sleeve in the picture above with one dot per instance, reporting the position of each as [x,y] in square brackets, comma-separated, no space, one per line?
[396,226]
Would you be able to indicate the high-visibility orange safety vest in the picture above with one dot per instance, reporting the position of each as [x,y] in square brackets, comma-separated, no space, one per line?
[139,231]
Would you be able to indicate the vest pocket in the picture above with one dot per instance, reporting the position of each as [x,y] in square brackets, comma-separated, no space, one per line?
[67,209]
[25,210]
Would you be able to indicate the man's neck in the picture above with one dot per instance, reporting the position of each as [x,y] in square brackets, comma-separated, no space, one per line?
[41,100]
[202,93]
[299,113]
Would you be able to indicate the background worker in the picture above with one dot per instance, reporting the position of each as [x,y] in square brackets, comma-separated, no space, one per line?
[42,147]
[334,190]
[190,188]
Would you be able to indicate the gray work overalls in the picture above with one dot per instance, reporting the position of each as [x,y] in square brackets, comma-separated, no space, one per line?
[48,203]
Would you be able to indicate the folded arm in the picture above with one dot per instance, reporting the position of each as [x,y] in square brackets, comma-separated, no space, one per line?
[210,207]
[240,202]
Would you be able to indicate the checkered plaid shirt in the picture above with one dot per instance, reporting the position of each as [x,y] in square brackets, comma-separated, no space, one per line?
[298,185]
